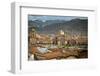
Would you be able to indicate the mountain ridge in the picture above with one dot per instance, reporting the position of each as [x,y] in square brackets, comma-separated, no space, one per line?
[53,26]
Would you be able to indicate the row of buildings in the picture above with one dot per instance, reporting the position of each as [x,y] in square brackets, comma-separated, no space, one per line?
[59,39]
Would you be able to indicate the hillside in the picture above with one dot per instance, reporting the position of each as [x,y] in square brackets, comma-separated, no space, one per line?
[53,26]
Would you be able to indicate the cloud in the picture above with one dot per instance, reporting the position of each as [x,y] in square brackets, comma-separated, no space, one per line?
[48,17]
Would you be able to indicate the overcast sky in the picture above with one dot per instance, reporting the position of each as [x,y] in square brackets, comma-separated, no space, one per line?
[45,17]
